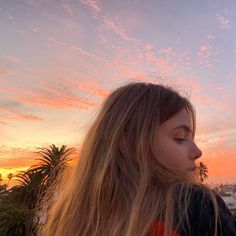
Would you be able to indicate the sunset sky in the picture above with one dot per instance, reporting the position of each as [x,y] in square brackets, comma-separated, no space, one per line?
[59,59]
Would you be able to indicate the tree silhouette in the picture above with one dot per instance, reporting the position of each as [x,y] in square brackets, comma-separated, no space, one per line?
[29,187]
[18,211]
[12,220]
[53,160]
[203,171]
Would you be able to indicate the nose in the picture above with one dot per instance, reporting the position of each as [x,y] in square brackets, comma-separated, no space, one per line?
[196,152]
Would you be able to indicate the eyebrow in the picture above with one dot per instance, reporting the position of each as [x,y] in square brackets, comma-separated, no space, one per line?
[186,128]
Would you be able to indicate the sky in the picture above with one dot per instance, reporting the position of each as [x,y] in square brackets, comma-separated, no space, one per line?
[59,59]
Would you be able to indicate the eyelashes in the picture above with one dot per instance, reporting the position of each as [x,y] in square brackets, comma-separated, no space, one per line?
[180,140]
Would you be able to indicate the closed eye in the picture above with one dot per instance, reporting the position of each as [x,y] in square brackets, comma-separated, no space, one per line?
[180,139]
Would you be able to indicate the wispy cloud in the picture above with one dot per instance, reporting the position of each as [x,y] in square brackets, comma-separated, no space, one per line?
[67,7]
[211,37]
[15,157]
[60,103]
[108,23]
[10,114]
[11,58]
[205,50]
[223,22]
[24,117]
[14,59]
[5,70]
[92,87]
[207,56]
[49,95]
[202,100]
[2,123]
[93,5]
[82,52]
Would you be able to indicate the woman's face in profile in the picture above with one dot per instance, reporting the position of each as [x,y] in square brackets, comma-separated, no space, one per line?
[174,145]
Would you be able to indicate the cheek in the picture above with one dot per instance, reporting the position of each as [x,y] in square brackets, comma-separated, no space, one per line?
[171,153]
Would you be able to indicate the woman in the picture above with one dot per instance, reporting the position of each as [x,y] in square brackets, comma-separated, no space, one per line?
[136,174]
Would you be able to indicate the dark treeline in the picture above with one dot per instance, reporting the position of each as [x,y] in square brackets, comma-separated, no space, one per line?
[18,204]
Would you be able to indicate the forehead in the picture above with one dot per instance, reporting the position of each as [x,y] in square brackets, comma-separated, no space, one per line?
[180,118]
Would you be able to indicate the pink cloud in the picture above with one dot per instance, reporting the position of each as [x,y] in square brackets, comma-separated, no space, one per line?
[3,123]
[20,31]
[59,103]
[82,51]
[92,5]
[207,56]
[192,83]
[212,139]
[51,39]
[5,70]
[211,37]
[91,87]
[11,58]
[6,124]
[148,46]
[205,50]
[79,75]
[168,51]
[227,109]
[14,59]
[175,61]
[201,140]
[203,100]
[223,22]
[115,28]
[103,39]
[142,77]
[184,60]
[35,30]
[17,115]
[16,157]
[50,96]
[163,63]
[24,117]
[67,7]
[128,62]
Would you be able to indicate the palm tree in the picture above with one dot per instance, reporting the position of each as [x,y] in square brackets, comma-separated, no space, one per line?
[20,203]
[53,160]
[203,171]
[28,190]
[22,198]
[34,181]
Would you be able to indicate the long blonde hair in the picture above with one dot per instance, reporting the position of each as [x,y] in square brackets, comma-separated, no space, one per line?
[118,186]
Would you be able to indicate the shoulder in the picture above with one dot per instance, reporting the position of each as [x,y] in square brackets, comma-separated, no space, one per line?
[203,206]
[194,211]
[194,194]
